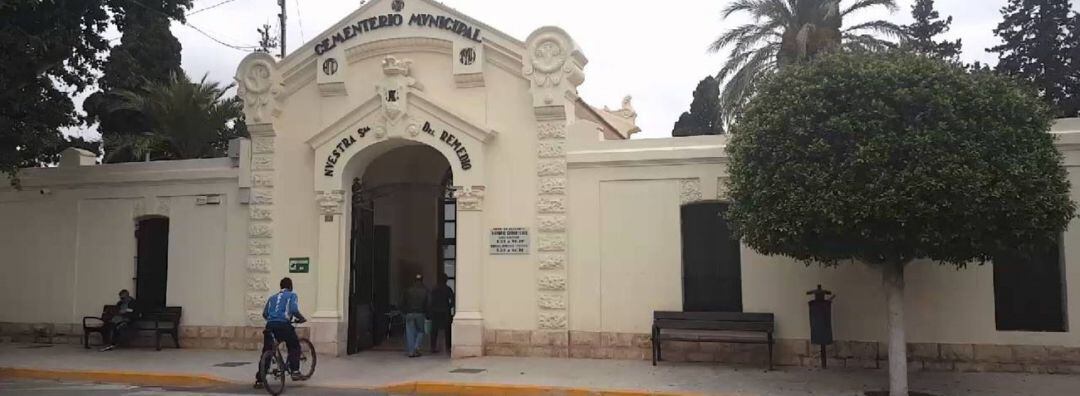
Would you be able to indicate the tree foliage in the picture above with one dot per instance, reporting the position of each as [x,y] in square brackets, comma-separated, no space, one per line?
[927,25]
[185,119]
[894,157]
[1039,45]
[704,117]
[46,45]
[791,31]
[148,51]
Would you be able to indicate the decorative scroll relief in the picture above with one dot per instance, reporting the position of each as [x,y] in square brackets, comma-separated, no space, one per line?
[552,320]
[262,179]
[258,247]
[553,185]
[469,198]
[552,130]
[256,300]
[551,167]
[552,262]
[552,301]
[258,265]
[262,162]
[553,282]
[553,64]
[393,90]
[689,190]
[330,202]
[259,283]
[260,230]
[551,149]
[262,145]
[261,213]
[259,85]
[552,223]
[551,205]
[552,243]
[262,197]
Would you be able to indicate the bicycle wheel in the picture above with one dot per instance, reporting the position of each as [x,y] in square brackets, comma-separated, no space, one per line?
[272,372]
[308,359]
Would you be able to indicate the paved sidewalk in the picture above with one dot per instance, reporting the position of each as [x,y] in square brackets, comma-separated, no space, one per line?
[380,370]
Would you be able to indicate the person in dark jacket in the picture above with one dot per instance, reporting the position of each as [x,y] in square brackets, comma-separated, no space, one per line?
[119,323]
[442,307]
[414,303]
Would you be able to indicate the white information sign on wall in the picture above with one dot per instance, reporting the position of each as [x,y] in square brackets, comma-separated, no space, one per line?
[510,240]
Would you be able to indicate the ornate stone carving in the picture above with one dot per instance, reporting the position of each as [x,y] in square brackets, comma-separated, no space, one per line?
[330,202]
[260,230]
[255,317]
[553,282]
[259,283]
[262,162]
[262,145]
[262,179]
[412,130]
[379,132]
[553,65]
[551,205]
[552,320]
[255,300]
[258,265]
[689,190]
[258,86]
[261,213]
[469,198]
[627,111]
[551,149]
[552,223]
[553,185]
[552,261]
[722,189]
[552,130]
[393,89]
[259,247]
[552,301]
[551,242]
[551,167]
[262,196]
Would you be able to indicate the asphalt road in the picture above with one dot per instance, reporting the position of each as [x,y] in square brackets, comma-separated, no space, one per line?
[56,388]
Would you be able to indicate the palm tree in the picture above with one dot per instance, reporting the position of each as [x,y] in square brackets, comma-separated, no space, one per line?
[187,119]
[789,31]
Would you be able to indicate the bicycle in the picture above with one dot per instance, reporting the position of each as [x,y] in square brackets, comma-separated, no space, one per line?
[272,367]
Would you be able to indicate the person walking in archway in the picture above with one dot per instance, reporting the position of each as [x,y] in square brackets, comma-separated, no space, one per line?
[415,304]
[442,306]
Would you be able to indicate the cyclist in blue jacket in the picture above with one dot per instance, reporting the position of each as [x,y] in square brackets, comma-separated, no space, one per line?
[281,308]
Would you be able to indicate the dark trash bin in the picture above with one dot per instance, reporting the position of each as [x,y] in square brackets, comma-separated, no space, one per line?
[821,320]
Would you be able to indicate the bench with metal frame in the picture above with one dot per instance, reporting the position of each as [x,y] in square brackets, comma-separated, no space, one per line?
[727,327]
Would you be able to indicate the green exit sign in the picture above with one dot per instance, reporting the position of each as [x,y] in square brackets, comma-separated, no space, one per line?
[299,265]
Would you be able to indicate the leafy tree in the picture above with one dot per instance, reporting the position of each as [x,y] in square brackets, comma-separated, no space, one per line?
[890,158]
[50,50]
[704,117]
[1036,47]
[790,31]
[186,119]
[147,51]
[927,25]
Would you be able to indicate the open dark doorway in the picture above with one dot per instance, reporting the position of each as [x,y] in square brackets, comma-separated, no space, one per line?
[152,263]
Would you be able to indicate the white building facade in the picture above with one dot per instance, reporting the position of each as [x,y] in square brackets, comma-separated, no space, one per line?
[411,139]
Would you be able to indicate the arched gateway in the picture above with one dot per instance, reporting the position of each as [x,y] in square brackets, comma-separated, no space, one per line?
[391,79]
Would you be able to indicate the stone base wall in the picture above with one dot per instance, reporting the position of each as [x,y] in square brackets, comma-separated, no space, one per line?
[191,337]
[786,352]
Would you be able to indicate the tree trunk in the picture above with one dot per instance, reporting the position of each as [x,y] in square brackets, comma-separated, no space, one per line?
[898,373]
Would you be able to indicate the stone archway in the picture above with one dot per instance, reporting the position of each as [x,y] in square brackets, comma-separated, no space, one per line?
[399,115]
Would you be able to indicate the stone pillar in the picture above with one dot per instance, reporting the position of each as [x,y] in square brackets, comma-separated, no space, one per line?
[326,320]
[468,326]
[555,67]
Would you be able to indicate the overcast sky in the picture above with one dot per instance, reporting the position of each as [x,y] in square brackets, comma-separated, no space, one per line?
[653,50]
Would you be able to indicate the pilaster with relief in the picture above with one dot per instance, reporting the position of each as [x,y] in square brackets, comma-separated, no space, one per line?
[258,85]
[554,66]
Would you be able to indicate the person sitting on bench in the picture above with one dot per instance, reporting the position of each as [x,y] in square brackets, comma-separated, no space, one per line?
[119,323]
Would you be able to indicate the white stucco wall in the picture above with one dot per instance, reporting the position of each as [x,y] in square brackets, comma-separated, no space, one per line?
[625,257]
[69,250]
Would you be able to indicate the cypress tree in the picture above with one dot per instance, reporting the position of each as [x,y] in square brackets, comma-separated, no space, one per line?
[704,117]
[1038,47]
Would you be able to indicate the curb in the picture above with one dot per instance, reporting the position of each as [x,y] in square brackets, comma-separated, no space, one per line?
[410,388]
[117,377]
[484,389]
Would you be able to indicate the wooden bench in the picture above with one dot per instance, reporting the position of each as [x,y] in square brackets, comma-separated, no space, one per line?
[165,322]
[729,327]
